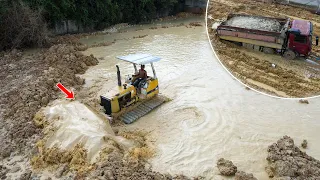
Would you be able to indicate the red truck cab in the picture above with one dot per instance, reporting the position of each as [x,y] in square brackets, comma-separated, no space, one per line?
[300,37]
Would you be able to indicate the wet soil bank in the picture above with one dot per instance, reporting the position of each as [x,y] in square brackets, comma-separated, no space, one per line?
[268,73]
[28,82]
[285,161]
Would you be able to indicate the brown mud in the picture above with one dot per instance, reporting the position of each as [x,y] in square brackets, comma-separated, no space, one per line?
[227,168]
[75,159]
[113,162]
[240,175]
[287,161]
[28,83]
[295,78]
[132,165]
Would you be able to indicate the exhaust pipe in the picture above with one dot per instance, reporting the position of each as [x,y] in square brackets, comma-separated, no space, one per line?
[118,75]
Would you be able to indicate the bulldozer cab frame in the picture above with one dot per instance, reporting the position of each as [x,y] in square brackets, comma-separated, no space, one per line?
[141,59]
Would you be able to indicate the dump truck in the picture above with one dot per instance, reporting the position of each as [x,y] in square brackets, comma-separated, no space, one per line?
[130,101]
[290,38]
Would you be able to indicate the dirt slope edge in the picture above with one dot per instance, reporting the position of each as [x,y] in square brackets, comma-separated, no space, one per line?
[28,83]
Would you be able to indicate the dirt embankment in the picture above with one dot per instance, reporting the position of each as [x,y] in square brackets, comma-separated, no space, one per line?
[227,168]
[269,73]
[286,160]
[28,81]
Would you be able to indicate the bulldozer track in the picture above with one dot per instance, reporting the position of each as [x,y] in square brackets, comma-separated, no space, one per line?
[141,110]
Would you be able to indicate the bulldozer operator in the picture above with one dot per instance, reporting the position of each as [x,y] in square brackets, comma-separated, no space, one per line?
[140,77]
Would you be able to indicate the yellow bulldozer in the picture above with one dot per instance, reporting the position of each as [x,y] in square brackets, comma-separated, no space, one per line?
[137,96]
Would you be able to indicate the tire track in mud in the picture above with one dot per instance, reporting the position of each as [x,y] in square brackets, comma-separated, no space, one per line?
[250,67]
[286,80]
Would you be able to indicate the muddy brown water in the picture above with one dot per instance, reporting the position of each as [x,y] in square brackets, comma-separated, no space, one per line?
[211,115]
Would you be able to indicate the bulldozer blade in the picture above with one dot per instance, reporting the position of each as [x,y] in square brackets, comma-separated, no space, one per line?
[141,110]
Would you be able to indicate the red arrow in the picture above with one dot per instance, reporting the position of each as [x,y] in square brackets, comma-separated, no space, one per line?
[70,94]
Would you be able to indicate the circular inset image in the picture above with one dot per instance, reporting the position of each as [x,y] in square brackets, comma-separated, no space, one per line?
[271,46]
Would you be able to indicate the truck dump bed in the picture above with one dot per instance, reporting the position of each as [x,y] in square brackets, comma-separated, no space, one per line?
[257,30]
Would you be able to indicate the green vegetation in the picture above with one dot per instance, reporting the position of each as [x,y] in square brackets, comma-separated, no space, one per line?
[21,26]
[102,13]
[24,22]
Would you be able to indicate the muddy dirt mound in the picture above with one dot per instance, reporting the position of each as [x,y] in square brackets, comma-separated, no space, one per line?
[226,167]
[75,159]
[117,168]
[304,144]
[287,160]
[28,82]
[113,162]
[240,175]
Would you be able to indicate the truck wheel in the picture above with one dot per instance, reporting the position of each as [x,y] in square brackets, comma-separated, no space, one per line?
[268,50]
[248,46]
[256,48]
[290,55]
